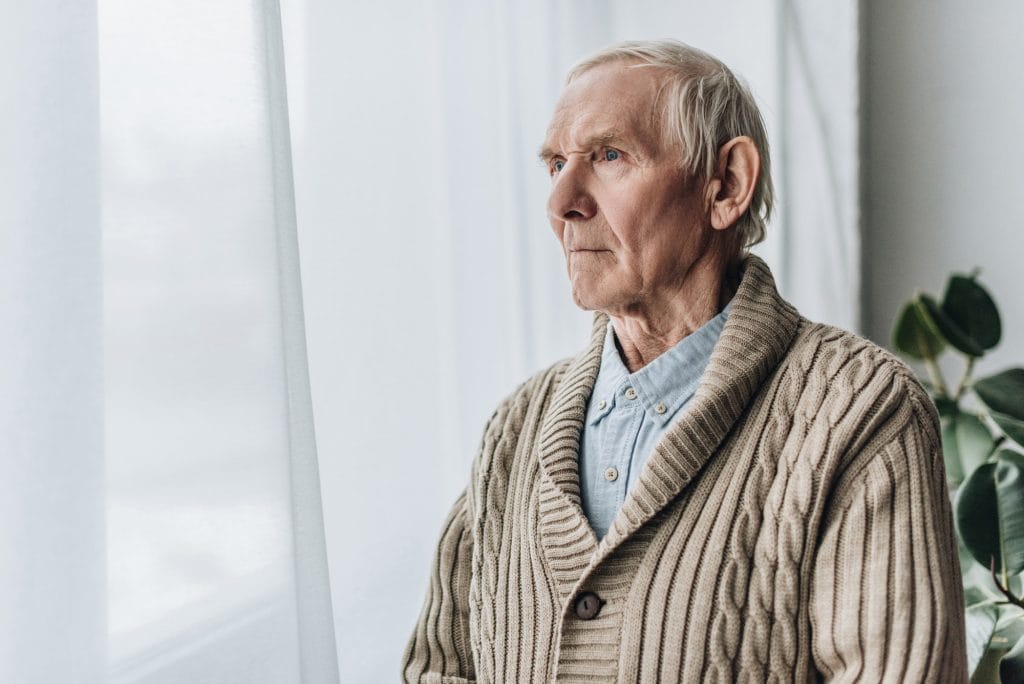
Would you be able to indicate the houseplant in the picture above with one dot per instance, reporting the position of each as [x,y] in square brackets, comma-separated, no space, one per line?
[983,442]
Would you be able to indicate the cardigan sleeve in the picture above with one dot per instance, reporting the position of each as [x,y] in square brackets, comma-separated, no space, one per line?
[439,650]
[886,592]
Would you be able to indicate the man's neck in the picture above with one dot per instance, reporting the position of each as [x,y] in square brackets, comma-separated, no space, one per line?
[644,334]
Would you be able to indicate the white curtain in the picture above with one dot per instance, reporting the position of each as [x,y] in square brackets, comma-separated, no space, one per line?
[160,498]
[433,284]
[817,148]
[52,605]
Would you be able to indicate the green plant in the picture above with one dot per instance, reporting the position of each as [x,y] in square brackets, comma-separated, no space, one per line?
[983,444]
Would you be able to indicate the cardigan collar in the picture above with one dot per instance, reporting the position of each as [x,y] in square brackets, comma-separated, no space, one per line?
[667,382]
[759,330]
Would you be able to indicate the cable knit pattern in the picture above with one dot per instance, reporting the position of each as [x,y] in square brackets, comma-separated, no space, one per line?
[792,525]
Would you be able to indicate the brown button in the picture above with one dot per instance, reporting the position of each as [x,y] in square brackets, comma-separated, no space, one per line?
[588,605]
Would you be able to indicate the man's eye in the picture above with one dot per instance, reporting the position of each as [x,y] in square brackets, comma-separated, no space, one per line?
[558,165]
[611,155]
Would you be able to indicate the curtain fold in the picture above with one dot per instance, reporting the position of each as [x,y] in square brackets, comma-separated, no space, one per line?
[817,148]
[52,568]
[318,660]
[159,495]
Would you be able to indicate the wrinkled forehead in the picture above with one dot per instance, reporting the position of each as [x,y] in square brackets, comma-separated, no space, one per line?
[617,97]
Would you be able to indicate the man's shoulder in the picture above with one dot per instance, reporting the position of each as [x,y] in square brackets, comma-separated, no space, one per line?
[879,391]
[525,402]
[846,357]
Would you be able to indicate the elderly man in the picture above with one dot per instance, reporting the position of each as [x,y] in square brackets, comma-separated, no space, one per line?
[716,489]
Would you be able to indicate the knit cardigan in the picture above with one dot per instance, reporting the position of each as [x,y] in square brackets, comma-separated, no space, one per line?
[792,525]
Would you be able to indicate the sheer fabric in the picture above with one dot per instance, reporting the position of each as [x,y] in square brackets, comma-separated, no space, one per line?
[52,564]
[161,514]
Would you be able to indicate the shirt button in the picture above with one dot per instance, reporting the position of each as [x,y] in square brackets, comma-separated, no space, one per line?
[588,605]
[611,474]
[660,408]
[601,404]
[630,393]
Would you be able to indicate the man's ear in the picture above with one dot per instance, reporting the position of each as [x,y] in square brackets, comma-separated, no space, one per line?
[731,189]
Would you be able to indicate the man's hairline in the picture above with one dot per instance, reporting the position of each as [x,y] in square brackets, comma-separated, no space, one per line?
[669,140]
[664,136]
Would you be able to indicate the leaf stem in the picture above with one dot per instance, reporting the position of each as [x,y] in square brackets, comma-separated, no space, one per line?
[964,381]
[996,443]
[936,376]
[1004,588]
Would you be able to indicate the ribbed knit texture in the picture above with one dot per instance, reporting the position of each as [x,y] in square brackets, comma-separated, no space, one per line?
[793,523]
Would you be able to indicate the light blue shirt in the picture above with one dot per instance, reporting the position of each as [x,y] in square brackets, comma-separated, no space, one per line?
[628,414]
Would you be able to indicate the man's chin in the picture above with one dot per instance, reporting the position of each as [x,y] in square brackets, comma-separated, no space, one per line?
[588,300]
[580,298]
[598,290]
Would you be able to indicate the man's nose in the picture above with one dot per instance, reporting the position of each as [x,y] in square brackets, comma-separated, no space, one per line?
[570,198]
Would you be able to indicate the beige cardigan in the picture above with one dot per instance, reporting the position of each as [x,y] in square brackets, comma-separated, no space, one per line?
[792,524]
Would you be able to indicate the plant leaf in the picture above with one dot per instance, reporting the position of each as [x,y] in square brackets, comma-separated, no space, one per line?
[972,592]
[1011,667]
[972,309]
[989,512]
[915,333]
[974,441]
[1009,480]
[1010,624]
[1013,428]
[981,624]
[966,444]
[952,332]
[945,405]
[977,515]
[951,451]
[987,671]
[1003,392]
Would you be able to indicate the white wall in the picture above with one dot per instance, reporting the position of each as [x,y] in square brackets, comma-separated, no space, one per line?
[944,157]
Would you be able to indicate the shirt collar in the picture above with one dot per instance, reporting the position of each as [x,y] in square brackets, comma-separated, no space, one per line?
[663,385]
[611,380]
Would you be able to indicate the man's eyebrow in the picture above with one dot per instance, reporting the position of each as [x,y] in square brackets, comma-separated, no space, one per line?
[546,153]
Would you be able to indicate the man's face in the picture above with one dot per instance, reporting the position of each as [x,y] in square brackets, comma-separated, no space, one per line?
[630,221]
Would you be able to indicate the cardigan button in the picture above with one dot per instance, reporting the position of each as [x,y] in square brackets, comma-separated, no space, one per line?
[588,605]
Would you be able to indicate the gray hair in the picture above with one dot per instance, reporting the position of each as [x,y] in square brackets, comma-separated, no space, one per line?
[706,105]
